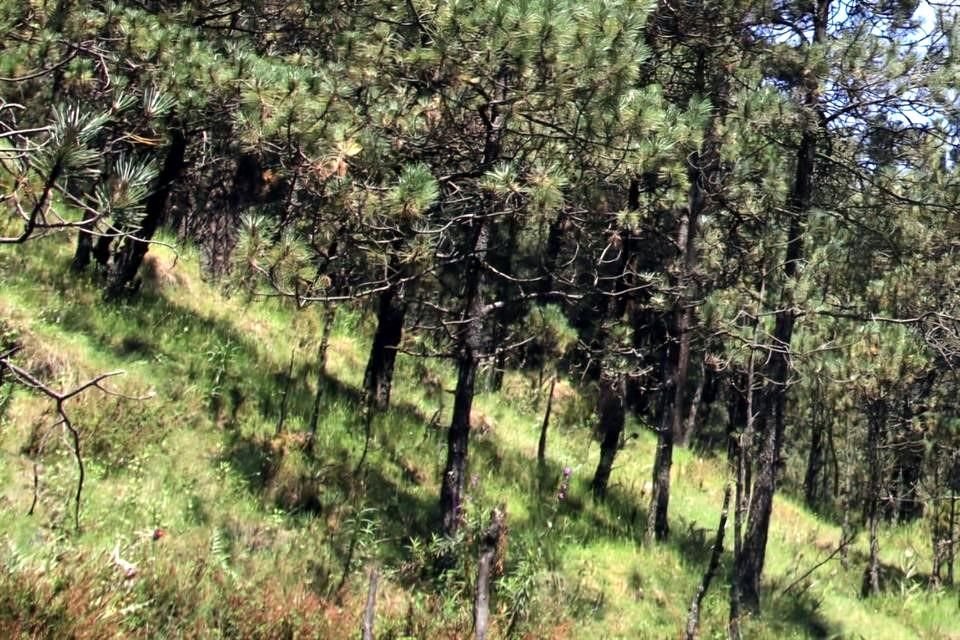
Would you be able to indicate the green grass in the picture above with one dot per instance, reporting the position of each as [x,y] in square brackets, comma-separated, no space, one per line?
[261,536]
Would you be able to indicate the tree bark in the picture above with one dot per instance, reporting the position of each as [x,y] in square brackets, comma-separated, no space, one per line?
[370,609]
[703,171]
[329,314]
[658,526]
[693,616]
[690,426]
[470,341]
[875,423]
[378,379]
[612,419]
[542,443]
[131,252]
[951,533]
[814,460]
[81,257]
[487,569]
[799,204]
[741,446]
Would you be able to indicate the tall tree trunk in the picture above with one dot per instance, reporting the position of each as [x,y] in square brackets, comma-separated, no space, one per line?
[131,252]
[470,341]
[378,379]
[951,536]
[740,445]
[875,423]
[501,257]
[704,174]
[690,426]
[658,527]
[798,206]
[612,418]
[814,460]
[937,534]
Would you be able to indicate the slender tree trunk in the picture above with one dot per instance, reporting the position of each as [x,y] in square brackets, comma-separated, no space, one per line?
[799,204]
[329,313]
[937,537]
[370,609]
[658,527]
[677,361]
[693,616]
[486,570]
[131,252]
[612,419]
[952,533]
[542,443]
[834,461]
[81,257]
[875,422]
[469,348]
[378,378]
[846,529]
[753,553]
[704,173]
[501,256]
[814,461]
[742,445]
[690,426]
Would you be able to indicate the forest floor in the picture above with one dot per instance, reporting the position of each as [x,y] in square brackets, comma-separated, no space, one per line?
[260,539]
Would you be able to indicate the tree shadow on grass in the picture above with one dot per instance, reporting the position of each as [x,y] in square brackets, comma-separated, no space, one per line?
[788,614]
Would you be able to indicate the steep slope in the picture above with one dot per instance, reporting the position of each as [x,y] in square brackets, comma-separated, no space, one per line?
[236,531]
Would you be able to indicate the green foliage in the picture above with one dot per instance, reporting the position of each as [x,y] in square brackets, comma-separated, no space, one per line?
[69,148]
[359,149]
[172,463]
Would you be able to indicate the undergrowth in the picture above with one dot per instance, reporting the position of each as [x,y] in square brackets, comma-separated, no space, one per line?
[238,529]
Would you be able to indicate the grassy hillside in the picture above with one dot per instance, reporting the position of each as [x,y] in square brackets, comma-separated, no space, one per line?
[263,540]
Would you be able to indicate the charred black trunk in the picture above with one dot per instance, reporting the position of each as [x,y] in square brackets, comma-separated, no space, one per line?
[378,379]
[658,527]
[84,251]
[612,418]
[811,483]
[131,252]
[470,344]
[458,437]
